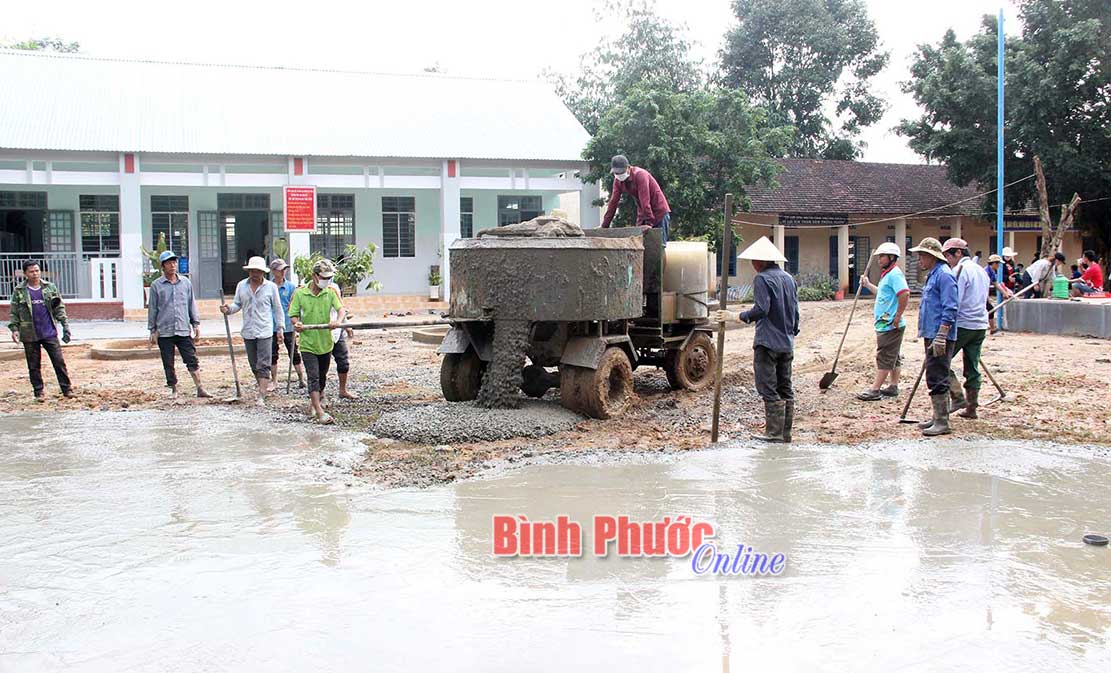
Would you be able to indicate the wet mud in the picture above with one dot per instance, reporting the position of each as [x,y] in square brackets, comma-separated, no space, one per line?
[501,383]
[146,542]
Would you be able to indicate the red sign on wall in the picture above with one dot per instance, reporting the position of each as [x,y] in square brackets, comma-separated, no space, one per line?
[300,208]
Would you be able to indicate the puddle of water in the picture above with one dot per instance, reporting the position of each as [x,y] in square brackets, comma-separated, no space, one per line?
[148,542]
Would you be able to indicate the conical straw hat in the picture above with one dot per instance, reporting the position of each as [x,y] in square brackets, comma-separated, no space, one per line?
[763,250]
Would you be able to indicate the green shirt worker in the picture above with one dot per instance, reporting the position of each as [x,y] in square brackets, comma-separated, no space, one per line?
[312,304]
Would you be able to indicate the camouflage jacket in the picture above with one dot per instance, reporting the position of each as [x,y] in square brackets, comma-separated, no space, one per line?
[21,318]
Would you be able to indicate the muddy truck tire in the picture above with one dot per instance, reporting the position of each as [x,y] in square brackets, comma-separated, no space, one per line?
[692,367]
[461,376]
[601,393]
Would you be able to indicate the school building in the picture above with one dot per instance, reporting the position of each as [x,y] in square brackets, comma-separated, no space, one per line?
[826,216]
[98,157]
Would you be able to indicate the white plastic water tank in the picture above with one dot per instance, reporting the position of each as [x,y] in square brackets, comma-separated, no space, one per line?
[686,268]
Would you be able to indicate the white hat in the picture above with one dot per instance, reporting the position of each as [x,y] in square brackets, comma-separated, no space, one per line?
[889,248]
[1008,252]
[257,264]
[763,250]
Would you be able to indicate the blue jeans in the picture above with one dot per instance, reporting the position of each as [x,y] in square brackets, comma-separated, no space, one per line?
[664,223]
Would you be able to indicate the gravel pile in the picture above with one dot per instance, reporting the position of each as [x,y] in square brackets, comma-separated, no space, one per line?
[462,422]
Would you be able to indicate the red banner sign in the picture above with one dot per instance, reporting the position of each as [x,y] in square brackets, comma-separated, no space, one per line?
[300,208]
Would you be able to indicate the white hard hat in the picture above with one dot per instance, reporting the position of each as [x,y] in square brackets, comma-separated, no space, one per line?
[889,248]
[763,250]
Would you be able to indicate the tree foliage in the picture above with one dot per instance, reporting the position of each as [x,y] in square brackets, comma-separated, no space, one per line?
[698,145]
[802,59]
[1057,103]
[45,44]
[652,51]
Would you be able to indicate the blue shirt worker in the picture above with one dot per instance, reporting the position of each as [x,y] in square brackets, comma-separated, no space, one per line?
[973,284]
[278,271]
[937,317]
[775,311]
[892,296]
[263,317]
[174,323]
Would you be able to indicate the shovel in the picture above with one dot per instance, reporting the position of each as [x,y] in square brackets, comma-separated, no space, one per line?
[906,407]
[231,353]
[831,375]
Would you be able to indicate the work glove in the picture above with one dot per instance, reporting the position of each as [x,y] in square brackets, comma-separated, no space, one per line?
[66,335]
[940,343]
[725,316]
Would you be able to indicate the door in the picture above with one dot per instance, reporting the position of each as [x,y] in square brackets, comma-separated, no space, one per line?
[859,247]
[208,276]
[277,233]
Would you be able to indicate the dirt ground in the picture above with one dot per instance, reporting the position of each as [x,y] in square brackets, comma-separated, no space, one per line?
[1058,390]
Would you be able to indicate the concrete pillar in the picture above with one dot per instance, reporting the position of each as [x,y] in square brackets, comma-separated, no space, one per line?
[449,220]
[590,215]
[901,241]
[1010,240]
[298,247]
[955,229]
[778,234]
[843,259]
[130,278]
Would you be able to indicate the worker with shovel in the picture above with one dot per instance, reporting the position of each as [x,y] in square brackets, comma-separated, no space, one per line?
[776,314]
[312,304]
[892,296]
[937,316]
[173,322]
[278,269]
[263,317]
[972,325]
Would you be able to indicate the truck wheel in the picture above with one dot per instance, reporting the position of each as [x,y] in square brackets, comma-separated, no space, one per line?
[461,376]
[572,387]
[609,388]
[693,366]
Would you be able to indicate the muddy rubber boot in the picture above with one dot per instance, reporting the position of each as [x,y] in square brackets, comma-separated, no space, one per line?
[973,396]
[956,396]
[941,416]
[774,413]
[788,419]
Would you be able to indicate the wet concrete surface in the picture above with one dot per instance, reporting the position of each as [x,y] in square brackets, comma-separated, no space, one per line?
[146,541]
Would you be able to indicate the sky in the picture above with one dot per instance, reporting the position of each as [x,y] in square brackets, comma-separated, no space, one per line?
[512,39]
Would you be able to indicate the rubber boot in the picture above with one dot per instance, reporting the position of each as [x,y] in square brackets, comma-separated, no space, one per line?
[788,419]
[941,416]
[774,413]
[973,395]
[197,381]
[956,395]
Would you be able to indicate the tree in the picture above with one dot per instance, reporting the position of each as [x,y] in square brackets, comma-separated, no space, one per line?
[651,51]
[45,44]
[802,58]
[1057,103]
[699,145]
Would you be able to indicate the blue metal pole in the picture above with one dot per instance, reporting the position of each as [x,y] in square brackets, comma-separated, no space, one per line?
[999,150]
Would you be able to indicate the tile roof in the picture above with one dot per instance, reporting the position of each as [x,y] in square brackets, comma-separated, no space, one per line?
[857,187]
[75,102]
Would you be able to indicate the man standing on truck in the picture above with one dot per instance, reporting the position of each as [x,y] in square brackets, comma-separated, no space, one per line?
[652,208]
[775,311]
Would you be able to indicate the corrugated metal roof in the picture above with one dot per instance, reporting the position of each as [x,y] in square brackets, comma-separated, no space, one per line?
[68,102]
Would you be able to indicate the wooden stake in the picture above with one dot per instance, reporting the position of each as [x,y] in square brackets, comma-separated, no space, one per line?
[723,300]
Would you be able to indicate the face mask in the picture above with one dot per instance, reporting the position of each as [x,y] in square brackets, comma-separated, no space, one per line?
[623,177]
[323,283]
